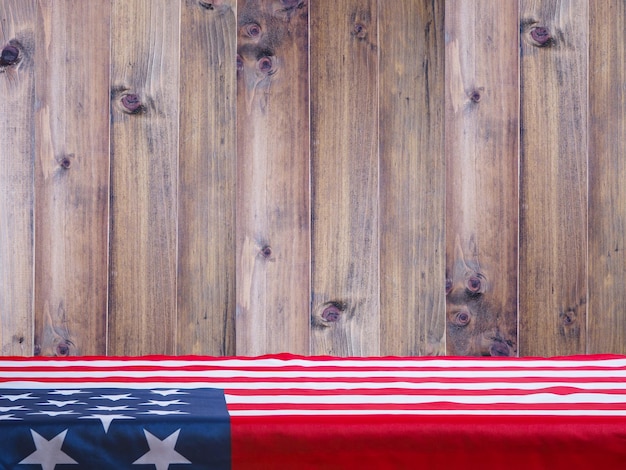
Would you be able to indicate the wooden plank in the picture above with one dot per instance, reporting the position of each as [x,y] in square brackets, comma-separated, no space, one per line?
[607,173]
[18,53]
[206,219]
[553,211]
[412,178]
[72,178]
[144,151]
[344,127]
[481,131]
[273,234]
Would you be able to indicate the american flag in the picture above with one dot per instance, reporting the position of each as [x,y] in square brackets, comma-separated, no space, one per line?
[284,411]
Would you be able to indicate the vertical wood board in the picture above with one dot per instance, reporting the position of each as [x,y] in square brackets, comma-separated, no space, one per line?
[607,174]
[481,105]
[206,189]
[19,51]
[72,177]
[273,231]
[412,178]
[144,151]
[344,145]
[553,200]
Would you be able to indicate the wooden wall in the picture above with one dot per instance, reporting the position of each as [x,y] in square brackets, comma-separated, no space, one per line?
[346,177]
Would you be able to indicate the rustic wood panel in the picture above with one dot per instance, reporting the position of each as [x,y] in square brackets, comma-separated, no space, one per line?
[273,230]
[206,188]
[482,95]
[412,178]
[553,211]
[72,178]
[144,153]
[344,133]
[18,53]
[256,176]
[607,174]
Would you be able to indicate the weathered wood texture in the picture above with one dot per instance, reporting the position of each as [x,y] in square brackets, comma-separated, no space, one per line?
[412,219]
[344,199]
[144,170]
[358,177]
[553,200]
[273,228]
[71,177]
[18,23]
[482,96]
[607,174]
[206,188]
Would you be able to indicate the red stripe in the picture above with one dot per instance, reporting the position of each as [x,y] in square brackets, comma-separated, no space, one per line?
[418,392]
[416,380]
[423,369]
[321,359]
[427,442]
[436,405]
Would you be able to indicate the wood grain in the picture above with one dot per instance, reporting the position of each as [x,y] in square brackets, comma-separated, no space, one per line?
[18,23]
[553,225]
[72,178]
[412,178]
[144,152]
[273,230]
[607,174]
[206,201]
[344,127]
[482,177]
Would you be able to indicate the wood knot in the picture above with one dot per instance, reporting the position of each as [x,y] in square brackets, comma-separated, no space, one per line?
[131,103]
[266,65]
[251,30]
[206,5]
[65,161]
[328,314]
[541,37]
[332,313]
[266,251]
[359,31]
[461,318]
[10,55]
[63,349]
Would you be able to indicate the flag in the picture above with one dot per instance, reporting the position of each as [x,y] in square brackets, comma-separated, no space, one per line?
[291,412]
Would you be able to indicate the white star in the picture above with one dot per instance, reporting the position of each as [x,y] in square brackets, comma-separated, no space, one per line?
[125,396]
[111,408]
[66,392]
[61,404]
[166,393]
[165,403]
[23,396]
[8,417]
[5,409]
[106,419]
[53,413]
[164,412]
[161,453]
[48,453]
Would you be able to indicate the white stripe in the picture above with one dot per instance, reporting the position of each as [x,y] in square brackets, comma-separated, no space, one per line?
[478,386]
[474,386]
[68,374]
[345,363]
[535,398]
[428,412]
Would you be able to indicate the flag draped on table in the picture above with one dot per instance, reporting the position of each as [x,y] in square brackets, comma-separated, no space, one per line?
[284,411]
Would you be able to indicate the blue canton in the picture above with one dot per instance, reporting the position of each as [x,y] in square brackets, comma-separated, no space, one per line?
[114,428]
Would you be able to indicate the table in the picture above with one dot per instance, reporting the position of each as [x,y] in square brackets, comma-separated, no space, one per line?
[292,412]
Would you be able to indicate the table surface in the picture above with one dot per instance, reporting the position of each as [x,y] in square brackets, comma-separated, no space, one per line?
[286,411]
